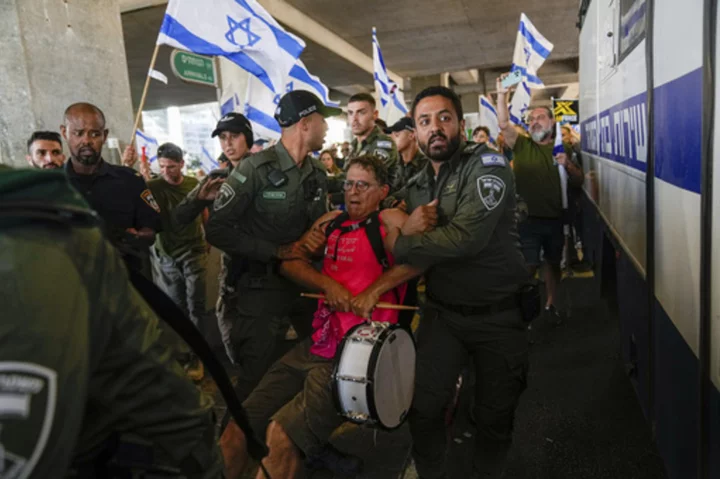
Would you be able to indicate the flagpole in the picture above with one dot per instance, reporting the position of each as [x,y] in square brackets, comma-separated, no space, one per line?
[144,94]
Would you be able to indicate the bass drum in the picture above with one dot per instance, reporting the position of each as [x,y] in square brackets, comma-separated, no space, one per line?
[374,375]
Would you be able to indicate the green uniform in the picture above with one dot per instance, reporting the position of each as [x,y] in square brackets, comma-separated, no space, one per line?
[382,146]
[179,258]
[251,218]
[84,358]
[474,269]
[409,170]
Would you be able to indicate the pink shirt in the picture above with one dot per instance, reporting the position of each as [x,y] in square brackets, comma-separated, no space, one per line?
[355,267]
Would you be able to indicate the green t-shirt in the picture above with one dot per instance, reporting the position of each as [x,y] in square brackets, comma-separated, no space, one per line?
[176,239]
[537,178]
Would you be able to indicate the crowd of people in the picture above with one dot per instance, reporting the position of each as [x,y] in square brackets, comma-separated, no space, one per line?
[359,223]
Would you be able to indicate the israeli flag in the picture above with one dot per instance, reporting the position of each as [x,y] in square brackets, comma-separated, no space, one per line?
[207,162]
[239,30]
[520,103]
[147,142]
[488,117]
[392,104]
[260,102]
[531,51]
[230,102]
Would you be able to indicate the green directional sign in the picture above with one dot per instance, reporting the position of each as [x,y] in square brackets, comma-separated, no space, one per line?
[193,68]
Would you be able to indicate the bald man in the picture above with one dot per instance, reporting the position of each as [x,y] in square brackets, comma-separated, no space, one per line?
[118,194]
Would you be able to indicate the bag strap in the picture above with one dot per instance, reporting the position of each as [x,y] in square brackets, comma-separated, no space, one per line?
[169,312]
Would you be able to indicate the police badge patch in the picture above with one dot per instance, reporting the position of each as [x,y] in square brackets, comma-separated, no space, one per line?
[382,154]
[148,198]
[28,393]
[491,190]
[224,196]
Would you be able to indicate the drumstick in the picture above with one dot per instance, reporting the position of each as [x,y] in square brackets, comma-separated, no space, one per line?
[382,305]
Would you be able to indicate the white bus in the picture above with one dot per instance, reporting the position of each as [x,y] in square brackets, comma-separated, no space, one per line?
[650,146]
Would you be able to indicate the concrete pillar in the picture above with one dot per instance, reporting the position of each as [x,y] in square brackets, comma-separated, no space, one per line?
[470,102]
[54,54]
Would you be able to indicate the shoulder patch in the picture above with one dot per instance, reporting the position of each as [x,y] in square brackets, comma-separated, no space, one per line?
[240,177]
[470,147]
[224,196]
[493,159]
[385,144]
[491,190]
[382,154]
[28,395]
[148,198]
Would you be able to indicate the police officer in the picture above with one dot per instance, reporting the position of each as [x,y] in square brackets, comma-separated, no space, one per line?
[411,159]
[119,194]
[235,134]
[462,231]
[369,138]
[262,209]
[86,374]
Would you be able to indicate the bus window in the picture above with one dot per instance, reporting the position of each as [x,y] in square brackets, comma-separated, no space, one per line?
[632,26]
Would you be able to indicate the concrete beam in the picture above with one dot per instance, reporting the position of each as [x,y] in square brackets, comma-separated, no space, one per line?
[551,81]
[288,15]
[130,5]
[572,91]
[466,77]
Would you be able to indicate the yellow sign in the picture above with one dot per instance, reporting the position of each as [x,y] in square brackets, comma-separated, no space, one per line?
[566,111]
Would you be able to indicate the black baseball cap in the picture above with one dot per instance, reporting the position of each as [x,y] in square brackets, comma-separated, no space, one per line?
[404,123]
[235,123]
[298,104]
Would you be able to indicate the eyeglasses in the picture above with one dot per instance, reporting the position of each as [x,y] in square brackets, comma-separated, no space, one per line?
[359,184]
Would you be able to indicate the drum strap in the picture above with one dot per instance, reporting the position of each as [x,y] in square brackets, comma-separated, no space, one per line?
[372,230]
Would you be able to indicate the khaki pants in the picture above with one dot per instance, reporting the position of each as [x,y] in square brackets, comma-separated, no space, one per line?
[296,392]
[183,279]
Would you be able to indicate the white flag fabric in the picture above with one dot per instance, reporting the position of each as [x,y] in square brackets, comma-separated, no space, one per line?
[519,104]
[207,162]
[488,117]
[531,51]
[260,102]
[240,30]
[392,103]
[149,143]
[159,76]
[559,148]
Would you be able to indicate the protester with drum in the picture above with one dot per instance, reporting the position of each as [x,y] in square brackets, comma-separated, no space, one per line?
[299,394]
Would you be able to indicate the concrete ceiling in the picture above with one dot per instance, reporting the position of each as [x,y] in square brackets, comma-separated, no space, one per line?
[472,39]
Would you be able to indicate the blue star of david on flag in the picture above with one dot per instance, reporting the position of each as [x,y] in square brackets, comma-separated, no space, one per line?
[289,87]
[243,25]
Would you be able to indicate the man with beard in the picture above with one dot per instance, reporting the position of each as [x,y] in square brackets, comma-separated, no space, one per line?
[267,203]
[538,183]
[462,232]
[45,150]
[179,254]
[119,194]
[369,138]
[235,134]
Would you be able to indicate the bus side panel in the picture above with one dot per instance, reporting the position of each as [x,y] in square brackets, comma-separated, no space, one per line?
[677,114]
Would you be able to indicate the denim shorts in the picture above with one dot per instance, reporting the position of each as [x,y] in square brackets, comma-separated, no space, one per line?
[544,234]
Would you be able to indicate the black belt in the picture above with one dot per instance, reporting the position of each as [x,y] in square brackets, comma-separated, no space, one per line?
[506,304]
[260,268]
